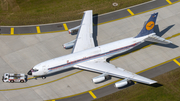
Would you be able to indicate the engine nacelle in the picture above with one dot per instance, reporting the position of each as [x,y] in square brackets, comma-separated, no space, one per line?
[121,83]
[69,44]
[74,30]
[99,78]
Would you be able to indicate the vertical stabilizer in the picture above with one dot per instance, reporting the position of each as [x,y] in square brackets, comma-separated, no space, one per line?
[149,26]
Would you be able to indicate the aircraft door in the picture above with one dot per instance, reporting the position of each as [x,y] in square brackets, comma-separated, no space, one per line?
[45,69]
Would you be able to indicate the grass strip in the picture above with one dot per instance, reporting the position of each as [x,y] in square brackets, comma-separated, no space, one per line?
[30,12]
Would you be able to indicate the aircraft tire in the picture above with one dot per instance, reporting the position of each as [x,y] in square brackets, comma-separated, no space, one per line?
[12,81]
[43,77]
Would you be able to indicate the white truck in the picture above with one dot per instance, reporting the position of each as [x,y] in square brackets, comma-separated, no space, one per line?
[10,77]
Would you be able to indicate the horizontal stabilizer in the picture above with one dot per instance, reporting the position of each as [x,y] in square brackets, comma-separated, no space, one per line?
[157,39]
[74,30]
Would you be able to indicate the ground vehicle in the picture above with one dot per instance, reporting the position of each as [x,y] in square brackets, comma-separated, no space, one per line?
[10,77]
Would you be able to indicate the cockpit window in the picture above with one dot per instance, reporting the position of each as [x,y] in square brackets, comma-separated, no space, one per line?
[34,70]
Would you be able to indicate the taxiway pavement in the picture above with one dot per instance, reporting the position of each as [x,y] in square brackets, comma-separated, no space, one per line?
[20,53]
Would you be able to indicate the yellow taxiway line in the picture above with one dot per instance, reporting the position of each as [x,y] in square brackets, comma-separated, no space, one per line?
[115,80]
[176,62]
[38,29]
[169,1]
[175,35]
[130,11]
[12,31]
[65,26]
[174,59]
[92,94]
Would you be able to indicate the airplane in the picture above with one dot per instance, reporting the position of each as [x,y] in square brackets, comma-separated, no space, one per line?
[85,55]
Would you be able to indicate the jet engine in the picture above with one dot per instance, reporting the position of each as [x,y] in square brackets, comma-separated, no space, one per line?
[99,78]
[74,30]
[121,83]
[69,44]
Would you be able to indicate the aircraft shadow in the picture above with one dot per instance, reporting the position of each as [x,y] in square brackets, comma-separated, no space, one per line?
[171,45]
[108,77]
[58,72]
[74,32]
[158,33]
[95,29]
[152,85]
[131,83]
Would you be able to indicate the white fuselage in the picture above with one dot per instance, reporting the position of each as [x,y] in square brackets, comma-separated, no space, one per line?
[103,51]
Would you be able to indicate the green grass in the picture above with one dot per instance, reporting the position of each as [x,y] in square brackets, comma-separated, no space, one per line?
[170,91]
[29,12]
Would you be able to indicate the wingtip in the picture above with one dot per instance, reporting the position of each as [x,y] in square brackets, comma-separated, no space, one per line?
[153,82]
[88,11]
[155,14]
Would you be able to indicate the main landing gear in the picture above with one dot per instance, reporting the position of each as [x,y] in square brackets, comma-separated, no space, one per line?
[43,77]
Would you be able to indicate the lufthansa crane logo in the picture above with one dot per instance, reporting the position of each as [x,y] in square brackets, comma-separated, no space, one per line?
[150,25]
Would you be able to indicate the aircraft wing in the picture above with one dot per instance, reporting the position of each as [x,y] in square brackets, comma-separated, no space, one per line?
[105,67]
[84,39]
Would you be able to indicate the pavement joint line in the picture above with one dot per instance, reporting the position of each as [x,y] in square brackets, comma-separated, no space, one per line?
[130,11]
[65,26]
[176,62]
[12,30]
[92,94]
[169,2]
[38,29]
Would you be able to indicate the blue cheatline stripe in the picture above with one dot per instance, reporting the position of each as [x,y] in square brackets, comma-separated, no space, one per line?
[94,56]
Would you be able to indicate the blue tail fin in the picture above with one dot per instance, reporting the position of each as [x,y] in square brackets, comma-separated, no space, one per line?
[149,26]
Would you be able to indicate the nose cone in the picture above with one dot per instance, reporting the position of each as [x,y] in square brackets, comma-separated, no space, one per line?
[29,73]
